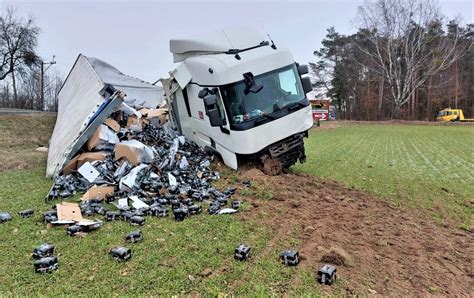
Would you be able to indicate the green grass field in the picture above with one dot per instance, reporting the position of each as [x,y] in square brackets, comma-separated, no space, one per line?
[423,166]
[169,261]
[410,164]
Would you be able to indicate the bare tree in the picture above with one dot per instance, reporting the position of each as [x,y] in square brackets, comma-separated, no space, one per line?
[18,39]
[401,46]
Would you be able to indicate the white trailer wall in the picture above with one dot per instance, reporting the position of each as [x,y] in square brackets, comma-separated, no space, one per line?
[79,100]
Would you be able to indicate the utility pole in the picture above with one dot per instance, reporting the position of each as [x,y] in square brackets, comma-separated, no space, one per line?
[42,79]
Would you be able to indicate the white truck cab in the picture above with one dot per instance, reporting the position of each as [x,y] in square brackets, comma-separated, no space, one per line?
[239,95]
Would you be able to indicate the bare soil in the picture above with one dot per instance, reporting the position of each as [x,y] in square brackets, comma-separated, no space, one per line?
[378,248]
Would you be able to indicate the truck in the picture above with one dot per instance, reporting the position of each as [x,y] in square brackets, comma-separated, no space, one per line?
[238,95]
[235,94]
[452,115]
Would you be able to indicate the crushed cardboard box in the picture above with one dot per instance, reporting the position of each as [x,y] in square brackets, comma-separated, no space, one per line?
[97,192]
[68,212]
[114,125]
[134,123]
[161,114]
[134,152]
[104,138]
[71,165]
[91,156]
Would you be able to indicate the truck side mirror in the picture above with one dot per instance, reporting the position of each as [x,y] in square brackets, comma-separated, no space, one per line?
[303,69]
[203,93]
[307,86]
[212,110]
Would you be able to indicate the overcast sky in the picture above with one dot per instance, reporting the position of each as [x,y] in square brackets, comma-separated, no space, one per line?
[134,36]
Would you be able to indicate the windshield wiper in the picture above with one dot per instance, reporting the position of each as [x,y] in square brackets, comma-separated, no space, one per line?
[295,106]
[264,117]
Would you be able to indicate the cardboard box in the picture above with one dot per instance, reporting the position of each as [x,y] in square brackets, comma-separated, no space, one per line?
[71,165]
[103,138]
[134,123]
[134,152]
[97,192]
[112,124]
[162,114]
[69,212]
[90,157]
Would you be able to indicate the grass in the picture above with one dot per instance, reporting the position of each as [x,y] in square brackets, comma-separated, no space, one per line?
[169,260]
[422,166]
[21,135]
[406,163]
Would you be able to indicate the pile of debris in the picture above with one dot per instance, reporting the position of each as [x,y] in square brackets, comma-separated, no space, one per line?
[137,165]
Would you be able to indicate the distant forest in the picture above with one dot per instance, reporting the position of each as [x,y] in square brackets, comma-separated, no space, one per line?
[405,62]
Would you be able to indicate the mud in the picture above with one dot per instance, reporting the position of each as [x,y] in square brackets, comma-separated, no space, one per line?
[378,248]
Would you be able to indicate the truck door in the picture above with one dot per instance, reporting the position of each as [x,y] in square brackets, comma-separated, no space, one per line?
[221,135]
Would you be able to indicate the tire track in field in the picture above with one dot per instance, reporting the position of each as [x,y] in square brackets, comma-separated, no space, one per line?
[456,160]
[444,160]
[408,156]
[426,160]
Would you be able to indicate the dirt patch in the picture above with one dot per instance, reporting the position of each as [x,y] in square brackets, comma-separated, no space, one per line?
[377,246]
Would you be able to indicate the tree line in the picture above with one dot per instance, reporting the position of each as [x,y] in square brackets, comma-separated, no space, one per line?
[404,62]
[24,82]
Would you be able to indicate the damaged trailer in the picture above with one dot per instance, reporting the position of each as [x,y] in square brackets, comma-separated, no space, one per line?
[92,90]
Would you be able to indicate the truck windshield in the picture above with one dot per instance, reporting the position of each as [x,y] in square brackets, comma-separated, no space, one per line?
[441,113]
[281,88]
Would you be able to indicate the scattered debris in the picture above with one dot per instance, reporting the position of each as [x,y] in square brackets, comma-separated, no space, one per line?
[121,254]
[74,230]
[137,220]
[236,204]
[112,215]
[242,252]
[68,213]
[227,211]
[327,275]
[47,264]
[42,149]
[42,251]
[5,216]
[180,213]
[26,213]
[133,237]
[290,257]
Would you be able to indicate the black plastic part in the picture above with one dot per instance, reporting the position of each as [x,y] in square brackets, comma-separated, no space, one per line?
[133,237]
[42,251]
[112,215]
[180,214]
[137,220]
[5,216]
[326,275]
[242,252]
[73,230]
[47,264]
[236,204]
[290,258]
[121,254]
[26,213]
